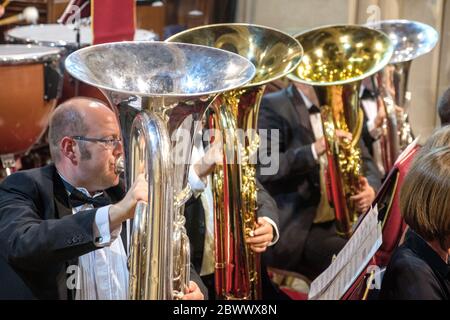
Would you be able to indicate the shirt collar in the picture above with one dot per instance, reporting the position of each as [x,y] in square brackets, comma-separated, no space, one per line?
[423,250]
[69,188]
[297,95]
[308,102]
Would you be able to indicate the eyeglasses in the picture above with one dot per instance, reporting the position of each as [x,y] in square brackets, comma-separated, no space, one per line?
[108,143]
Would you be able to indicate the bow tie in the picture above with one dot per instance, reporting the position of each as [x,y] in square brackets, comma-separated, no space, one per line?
[78,198]
[367,94]
[313,109]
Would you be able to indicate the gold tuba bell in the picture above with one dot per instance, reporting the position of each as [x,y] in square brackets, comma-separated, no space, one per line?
[159,91]
[336,60]
[275,54]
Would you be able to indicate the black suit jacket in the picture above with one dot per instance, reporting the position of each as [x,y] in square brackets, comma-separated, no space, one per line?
[296,185]
[195,221]
[416,272]
[195,227]
[39,235]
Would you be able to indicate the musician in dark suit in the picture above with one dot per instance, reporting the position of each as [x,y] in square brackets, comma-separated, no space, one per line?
[200,225]
[60,224]
[373,120]
[308,237]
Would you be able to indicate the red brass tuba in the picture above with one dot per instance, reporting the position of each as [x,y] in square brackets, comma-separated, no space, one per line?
[237,272]
[336,60]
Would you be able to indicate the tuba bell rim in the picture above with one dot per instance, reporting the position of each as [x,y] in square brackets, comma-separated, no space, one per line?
[238,24]
[419,25]
[386,59]
[245,64]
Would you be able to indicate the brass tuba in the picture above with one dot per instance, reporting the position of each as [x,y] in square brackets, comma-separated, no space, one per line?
[237,271]
[159,91]
[337,58]
[411,40]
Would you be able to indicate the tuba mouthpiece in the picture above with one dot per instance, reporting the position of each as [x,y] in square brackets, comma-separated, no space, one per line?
[120,165]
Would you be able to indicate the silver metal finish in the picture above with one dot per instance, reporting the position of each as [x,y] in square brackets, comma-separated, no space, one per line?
[410,39]
[159,69]
[169,86]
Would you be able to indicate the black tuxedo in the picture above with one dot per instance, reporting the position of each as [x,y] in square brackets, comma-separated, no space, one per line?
[195,227]
[296,185]
[39,235]
[195,221]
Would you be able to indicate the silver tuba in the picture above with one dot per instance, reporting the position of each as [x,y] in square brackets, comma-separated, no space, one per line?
[159,91]
[410,40]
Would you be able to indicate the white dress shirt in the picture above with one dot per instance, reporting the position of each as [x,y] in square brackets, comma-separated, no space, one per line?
[324,212]
[102,274]
[371,109]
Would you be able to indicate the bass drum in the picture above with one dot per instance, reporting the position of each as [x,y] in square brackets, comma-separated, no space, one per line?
[30,85]
[64,36]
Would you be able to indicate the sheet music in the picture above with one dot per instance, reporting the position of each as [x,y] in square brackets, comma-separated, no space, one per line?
[350,262]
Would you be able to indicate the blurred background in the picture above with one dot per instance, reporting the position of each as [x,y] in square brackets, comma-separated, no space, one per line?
[430,74]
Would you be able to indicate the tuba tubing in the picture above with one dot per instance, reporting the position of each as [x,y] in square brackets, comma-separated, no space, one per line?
[274,54]
[159,92]
[411,39]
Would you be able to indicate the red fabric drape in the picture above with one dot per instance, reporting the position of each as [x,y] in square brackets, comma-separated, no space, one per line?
[113,20]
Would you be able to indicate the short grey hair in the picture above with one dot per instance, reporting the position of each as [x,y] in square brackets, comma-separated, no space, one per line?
[66,121]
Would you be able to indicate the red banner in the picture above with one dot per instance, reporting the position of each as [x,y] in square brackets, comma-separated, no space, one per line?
[113,20]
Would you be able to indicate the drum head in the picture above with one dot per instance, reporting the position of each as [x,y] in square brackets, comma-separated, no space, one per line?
[24,54]
[54,35]
[58,35]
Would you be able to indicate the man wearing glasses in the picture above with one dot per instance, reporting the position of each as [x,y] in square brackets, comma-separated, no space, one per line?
[60,225]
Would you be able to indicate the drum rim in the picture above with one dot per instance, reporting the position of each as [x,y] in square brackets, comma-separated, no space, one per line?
[44,43]
[53,54]
[54,43]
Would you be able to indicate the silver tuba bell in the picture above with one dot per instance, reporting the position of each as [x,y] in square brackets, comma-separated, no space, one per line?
[411,40]
[160,92]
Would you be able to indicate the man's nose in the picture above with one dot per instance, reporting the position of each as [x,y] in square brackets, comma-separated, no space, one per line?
[118,147]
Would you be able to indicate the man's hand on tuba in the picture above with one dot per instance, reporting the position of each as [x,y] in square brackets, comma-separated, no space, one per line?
[365,197]
[213,156]
[124,209]
[193,292]
[262,236]
[320,147]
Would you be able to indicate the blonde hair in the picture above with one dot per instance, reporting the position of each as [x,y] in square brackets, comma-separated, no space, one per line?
[425,195]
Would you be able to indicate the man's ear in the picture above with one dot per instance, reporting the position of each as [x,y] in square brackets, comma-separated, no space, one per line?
[68,148]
